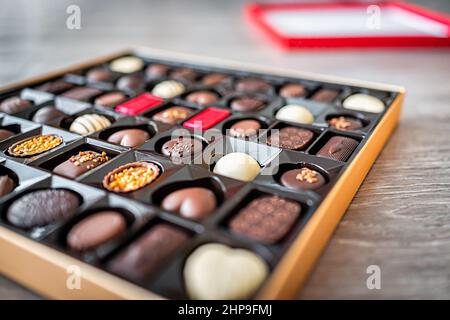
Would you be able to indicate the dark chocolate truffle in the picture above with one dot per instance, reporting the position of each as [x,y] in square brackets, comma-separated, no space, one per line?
[338,148]
[182,148]
[293,90]
[6,185]
[325,95]
[47,115]
[99,75]
[253,85]
[291,138]
[82,93]
[173,114]
[42,207]
[184,74]
[5,134]
[134,83]
[95,230]
[110,99]
[14,105]
[214,79]
[55,87]
[302,179]
[80,163]
[129,137]
[246,104]
[202,97]
[266,219]
[148,253]
[345,123]
[156,70]
[245,128]
[192,203]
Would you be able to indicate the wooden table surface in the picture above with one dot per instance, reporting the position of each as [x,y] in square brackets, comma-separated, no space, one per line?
[400,218]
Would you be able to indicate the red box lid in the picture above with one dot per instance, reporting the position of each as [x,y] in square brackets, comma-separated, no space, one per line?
[350,24]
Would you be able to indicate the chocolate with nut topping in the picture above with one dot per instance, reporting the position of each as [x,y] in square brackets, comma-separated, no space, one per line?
[82,162]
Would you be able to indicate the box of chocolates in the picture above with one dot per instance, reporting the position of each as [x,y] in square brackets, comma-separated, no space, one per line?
[148,174]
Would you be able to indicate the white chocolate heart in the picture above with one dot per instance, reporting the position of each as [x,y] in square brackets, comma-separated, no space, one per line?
[218,272]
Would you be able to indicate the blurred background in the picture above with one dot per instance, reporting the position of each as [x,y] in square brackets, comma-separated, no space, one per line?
[34,39]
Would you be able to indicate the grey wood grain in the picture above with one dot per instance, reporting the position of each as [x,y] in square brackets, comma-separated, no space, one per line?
[400,218]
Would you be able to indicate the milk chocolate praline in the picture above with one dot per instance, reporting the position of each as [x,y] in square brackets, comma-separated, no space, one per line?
[302,179]
[47,115]
[6,185]
[129,137]
[194,203]
[173,114]
[81,163]
[14,105]
[95,230]
[244,128]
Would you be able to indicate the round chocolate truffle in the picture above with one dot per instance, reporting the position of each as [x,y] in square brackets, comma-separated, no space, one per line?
[238,166]
[302,179]
[110,99]
[290,138]
[5,134]
[202,97]
[42,207]
[214,79]
[14,105]
[95,230]
[129,137]
[173,114]
[245,128]
[6,185]
[191,203]
[47,114]
[253,85]
[156,70]
[246,104]
[182,148]
[134,83]
[184,74]
[292,90]
[99,75]
[345,123]
[295,113]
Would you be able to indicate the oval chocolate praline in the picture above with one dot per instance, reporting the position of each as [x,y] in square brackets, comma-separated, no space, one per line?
[47,114]
[253,85]
[42,207]
[14,105]
[245,128]
[173,114]
[129,137]
[96,230]
[202,97]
